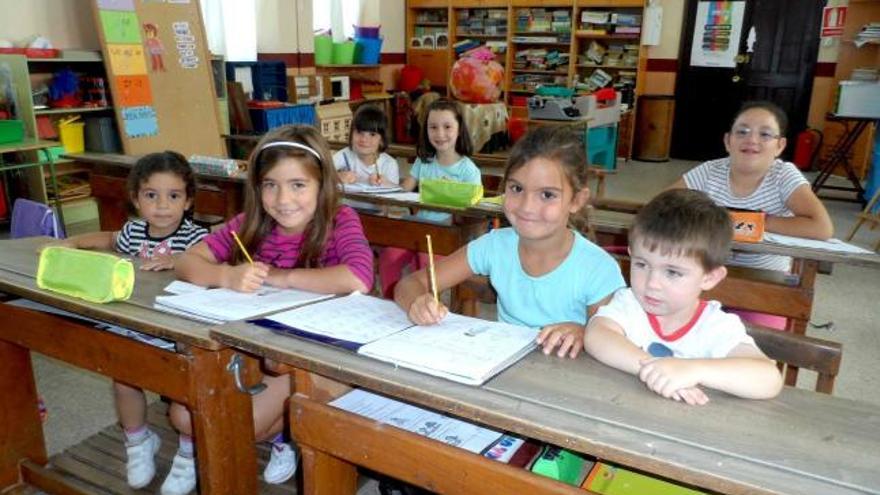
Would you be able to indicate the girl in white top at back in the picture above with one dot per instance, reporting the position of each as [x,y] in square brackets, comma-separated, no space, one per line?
[364,160]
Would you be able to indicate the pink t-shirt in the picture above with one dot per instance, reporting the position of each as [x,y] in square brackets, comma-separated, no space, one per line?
[346,245]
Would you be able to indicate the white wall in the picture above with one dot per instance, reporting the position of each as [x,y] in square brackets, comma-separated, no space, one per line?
[67,23]
[285,26]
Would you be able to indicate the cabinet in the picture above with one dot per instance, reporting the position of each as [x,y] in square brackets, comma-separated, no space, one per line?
[427,33]
[68,186]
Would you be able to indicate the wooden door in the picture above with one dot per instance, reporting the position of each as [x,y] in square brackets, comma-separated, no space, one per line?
[778,45]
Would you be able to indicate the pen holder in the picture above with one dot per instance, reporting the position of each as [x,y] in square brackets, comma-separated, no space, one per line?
[95,277]
[748,226]
[443,192]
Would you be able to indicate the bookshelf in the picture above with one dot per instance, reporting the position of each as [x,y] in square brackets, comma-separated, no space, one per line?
[480,24]
[427,22]
[546,43]
[540,47]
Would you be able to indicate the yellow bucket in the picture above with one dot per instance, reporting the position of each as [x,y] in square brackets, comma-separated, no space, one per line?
[71,134]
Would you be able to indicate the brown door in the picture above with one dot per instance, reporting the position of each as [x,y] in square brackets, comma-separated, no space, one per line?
[784,39]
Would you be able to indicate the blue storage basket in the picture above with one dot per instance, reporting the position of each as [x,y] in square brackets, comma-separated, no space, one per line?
[270,118]
[367,50]
[602,146]
[269,78]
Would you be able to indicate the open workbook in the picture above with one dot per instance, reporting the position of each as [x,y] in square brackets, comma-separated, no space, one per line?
[460,348]
[221,305]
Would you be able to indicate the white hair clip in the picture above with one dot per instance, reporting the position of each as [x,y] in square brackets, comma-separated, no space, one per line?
[293,144]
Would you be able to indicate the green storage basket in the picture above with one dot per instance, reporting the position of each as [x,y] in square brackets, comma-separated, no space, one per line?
[11,131]
[323,50]
[343,53]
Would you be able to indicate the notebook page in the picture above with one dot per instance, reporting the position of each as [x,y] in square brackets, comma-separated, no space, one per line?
[355,318]
[460,348]
[230,305]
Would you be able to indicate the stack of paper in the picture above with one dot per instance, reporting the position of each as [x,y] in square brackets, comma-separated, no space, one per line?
[221,305]
[357,187]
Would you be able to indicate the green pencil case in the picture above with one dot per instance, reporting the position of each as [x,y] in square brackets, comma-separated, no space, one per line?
[444,192]
[95,277]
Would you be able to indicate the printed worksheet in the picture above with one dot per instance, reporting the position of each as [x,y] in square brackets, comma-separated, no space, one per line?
[436,426]
[355,318]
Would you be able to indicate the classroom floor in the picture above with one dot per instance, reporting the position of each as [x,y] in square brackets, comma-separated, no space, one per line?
[80,405]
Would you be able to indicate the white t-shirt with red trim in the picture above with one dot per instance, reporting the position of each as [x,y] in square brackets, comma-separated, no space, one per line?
[711,333]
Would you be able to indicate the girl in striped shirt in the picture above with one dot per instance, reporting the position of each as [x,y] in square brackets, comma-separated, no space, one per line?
[300,237]
[753,177]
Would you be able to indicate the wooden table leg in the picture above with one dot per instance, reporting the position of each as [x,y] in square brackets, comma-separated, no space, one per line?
[222,426]
[806,271]
[326,475]
[20,428]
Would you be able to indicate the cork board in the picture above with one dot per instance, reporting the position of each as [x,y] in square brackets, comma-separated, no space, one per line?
[159,70]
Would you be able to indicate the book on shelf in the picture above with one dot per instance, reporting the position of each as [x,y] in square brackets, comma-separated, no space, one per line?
[459,348]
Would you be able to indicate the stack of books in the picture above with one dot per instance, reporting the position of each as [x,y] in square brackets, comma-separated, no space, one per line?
[870,33]
[627,24]
[481,22]
[595,22]
[540,59]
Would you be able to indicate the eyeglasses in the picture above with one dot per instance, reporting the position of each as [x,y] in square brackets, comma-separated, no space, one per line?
[764,135]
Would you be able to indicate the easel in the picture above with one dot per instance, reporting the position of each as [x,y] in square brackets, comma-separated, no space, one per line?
[840,156]
[867,216]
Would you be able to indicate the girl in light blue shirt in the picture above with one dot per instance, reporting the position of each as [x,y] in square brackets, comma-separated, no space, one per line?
[546,274]
[443,149]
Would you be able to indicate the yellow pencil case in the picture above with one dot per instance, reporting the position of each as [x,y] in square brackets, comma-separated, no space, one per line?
[444,192]
[95,277]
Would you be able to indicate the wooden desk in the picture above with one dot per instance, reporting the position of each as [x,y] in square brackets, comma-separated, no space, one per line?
[195,375]
[800,443]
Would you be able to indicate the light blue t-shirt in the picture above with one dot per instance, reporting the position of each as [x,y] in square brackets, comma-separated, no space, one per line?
[585,277]
[463,170]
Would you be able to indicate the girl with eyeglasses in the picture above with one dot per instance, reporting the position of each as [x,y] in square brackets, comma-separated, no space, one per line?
[753,177]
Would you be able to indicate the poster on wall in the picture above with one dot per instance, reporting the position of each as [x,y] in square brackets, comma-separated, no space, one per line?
[717,32]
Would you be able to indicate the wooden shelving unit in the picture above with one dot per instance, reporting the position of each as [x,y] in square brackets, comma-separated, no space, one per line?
[626,72]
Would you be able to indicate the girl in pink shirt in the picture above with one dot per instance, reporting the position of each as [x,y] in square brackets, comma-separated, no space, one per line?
[300,237]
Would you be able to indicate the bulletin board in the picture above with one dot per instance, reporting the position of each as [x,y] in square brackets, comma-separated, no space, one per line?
[159,71]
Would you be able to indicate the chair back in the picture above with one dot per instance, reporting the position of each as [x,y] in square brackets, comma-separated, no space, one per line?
[31,218]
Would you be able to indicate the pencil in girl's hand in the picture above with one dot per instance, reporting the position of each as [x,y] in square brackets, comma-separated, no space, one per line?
[431,273]
[241,246]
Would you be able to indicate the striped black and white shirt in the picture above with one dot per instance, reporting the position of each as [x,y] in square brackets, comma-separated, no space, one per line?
[771,196]
[134,239]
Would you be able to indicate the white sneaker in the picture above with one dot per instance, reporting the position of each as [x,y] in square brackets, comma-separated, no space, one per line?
[141,465]
[282,464]
[182,477]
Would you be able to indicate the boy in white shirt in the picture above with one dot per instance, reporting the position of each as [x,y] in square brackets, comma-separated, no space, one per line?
[659,328]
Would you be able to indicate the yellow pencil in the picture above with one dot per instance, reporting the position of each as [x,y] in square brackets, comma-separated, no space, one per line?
[431,273]
[240,245]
